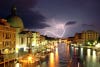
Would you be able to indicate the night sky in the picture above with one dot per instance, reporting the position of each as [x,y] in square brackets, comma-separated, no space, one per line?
[59,18]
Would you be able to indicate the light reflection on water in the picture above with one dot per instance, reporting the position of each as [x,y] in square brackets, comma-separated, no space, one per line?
[91,59]
[94,56]
[72,57]
[88,52]
[81,52]
[56,57]
[17,65]
[88,58]
[85,57]
[44,64]
[51,60]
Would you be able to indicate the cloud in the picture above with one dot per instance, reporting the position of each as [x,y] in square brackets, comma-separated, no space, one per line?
[19,3]
[31,18]
[5,3]
[88,25]
[71,23]
[26,4]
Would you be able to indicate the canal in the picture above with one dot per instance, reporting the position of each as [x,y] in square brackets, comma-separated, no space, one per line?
[68,56]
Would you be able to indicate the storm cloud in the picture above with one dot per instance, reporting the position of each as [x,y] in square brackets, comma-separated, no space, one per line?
[70,23]
[31,18]
[87,25]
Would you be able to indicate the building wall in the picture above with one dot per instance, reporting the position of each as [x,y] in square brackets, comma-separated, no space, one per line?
[36,39]
[90,35]
[29,38]
[7,38]
[85,36]
[78,38]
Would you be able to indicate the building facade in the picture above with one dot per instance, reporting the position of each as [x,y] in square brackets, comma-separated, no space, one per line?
[89,35]
[70,40]
[15,21]
[86,37]
[36,40]
[78,38]
[7,37]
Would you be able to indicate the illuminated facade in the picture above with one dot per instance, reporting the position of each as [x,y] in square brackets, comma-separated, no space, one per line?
[24,38]
[36,38]
[16,22]
[85,36]
[21,33]
[42,40]
[89,35]
[7,37]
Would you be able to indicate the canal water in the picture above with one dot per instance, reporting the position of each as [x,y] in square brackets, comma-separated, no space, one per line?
[69,56]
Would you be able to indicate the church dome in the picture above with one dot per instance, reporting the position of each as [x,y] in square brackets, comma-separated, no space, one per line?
[14,20]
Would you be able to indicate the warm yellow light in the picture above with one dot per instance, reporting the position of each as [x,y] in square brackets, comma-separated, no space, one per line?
[56,56]
[89,43]
[94,53]
[29,58]
[88,52]
[81,52]
[95,42]
[17,65]
[51,59]
[52,47]
[94,56]
[98,45]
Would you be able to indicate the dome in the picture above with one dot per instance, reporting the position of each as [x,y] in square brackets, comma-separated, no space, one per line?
[15,21]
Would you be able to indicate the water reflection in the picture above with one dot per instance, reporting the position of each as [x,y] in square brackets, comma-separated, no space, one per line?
[88,58]
[81,52]
[51,60]
[17,65]
[44,64]
[56,58]
[69,56]
[94,56]
[78,64]
[88,52]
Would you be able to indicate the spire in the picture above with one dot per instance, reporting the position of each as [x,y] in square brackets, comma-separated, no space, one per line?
[13,10]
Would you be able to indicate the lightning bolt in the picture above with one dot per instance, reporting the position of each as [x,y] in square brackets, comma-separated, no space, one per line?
[57,35]
[51,33]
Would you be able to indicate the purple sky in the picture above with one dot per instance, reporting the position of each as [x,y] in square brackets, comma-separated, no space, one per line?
[56,17]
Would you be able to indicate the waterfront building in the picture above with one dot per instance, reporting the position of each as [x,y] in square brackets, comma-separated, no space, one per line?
[42,40]
[70,40]
[36,38]
[78,38]
[15,21]
[7,37]
[64,40]
[89,35]
[24,39]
